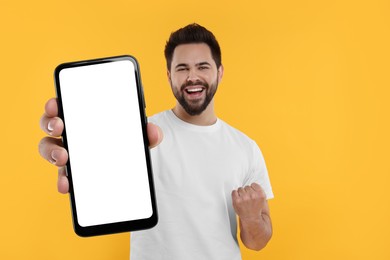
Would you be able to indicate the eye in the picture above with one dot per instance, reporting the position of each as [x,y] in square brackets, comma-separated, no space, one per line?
[181,69]
[203,67]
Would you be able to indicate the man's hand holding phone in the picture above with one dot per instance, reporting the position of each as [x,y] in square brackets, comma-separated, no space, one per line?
[51,148]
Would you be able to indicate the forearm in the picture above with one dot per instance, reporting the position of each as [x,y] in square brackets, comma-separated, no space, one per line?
[255,233]
[251,206]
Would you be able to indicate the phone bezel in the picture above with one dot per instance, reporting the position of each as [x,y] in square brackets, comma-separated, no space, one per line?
[117,227]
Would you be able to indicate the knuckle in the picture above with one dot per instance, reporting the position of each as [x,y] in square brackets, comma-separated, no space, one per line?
[42,145]
[262,195]
[48,104]
[42,122]
[255,184]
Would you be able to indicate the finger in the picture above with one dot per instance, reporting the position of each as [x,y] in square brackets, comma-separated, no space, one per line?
[236,200]
[249,192]
[241,191]
[52,125]
[51,108]
[256,186]
[51,149]
[235,195]
[62,182]
[248,189]
[259,190]
[155,135]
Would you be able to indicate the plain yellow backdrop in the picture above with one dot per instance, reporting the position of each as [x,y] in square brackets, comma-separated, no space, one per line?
[307,80]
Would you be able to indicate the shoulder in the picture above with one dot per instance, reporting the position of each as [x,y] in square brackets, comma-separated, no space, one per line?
[237,136]
[158,118]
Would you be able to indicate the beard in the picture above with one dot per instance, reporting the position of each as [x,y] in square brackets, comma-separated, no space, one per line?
[195,107]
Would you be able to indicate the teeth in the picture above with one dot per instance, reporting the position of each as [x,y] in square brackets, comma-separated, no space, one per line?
[194,90]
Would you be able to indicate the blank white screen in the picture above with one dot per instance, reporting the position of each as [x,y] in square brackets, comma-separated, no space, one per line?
[105,143]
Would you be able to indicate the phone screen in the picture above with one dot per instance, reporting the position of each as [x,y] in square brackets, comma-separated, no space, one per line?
[103,113]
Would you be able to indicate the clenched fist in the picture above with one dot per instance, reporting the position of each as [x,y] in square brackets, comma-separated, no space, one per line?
[251,206]
[249,202]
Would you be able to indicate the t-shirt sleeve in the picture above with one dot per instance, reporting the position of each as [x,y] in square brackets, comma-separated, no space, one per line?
[258,171]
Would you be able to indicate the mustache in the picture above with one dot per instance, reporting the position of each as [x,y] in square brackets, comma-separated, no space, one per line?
[194,83]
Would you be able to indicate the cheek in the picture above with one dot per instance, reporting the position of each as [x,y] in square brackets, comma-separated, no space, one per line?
[210,77]
[177,80]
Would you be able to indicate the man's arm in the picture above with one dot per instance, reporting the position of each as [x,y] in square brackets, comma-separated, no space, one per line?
[252,209]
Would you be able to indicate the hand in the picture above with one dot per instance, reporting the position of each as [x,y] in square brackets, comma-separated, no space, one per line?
[252,208]
[249,202]
[51,148]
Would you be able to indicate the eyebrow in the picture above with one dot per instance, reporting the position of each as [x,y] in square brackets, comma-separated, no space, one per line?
[202,63]
[197,64]
[181,65]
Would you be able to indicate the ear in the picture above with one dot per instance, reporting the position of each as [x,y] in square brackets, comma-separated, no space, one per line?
[220,73]
[169,76]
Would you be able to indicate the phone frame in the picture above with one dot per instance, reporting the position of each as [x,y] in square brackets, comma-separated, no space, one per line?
[116,227]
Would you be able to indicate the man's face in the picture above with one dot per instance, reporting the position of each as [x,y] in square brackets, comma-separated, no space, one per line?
[194,77]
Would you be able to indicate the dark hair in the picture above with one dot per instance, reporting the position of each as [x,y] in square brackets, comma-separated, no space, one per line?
[192,33]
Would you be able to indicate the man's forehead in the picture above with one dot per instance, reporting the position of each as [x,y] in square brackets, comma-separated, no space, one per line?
[192,53]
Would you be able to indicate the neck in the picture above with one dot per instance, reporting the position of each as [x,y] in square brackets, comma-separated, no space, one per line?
[207,117]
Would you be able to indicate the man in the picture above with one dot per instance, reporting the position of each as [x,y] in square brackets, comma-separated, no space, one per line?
[205,171]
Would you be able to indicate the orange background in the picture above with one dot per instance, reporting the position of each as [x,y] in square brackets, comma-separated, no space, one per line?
[308,80]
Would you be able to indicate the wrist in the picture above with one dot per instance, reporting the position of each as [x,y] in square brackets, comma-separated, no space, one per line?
[255,219]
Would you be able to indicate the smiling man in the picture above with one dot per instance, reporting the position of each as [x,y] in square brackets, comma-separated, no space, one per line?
[206,172]
[194,78]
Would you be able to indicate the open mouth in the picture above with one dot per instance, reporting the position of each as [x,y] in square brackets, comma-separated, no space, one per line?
[194,90]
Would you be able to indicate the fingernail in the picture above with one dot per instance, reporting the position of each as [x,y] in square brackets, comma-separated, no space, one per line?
[54,156]
[50,126]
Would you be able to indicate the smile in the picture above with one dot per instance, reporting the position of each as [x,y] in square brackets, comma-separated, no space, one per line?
[191,90]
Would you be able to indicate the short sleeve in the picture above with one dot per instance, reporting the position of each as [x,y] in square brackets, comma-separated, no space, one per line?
[258,171]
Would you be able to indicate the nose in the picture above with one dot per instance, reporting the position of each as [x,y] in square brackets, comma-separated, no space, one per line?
[192,75]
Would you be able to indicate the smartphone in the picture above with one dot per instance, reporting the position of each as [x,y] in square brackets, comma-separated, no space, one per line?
[102,105]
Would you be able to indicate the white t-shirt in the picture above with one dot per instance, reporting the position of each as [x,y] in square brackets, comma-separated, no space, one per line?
[195,170]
